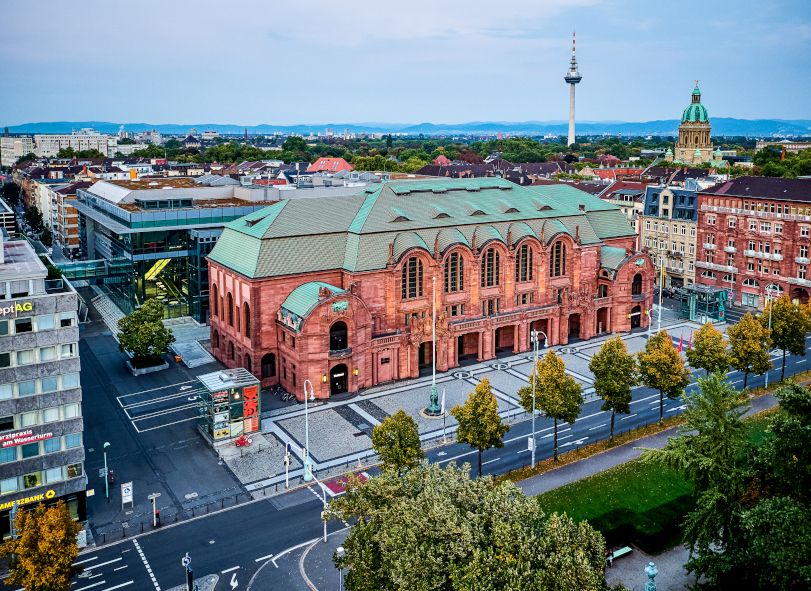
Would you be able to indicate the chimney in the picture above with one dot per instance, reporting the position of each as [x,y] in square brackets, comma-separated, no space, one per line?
[582,207]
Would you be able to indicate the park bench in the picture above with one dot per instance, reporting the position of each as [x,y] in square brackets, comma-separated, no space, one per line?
[621,552]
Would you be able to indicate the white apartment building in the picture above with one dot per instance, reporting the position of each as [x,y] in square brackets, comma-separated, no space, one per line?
[48,145]
[14,148]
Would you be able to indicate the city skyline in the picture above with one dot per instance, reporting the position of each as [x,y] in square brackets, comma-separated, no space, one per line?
[188,63]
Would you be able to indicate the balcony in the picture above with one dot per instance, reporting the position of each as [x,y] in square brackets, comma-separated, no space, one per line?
[716,267]
[763,255]
[340,353]
[708,246]
[730,249]
[756,214]
[802,260]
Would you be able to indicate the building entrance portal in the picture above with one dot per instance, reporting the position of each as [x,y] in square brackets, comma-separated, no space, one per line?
[425,357]
[636,317]
[467,348]
[574,326]
[602,321]
[505,340]
[338,379]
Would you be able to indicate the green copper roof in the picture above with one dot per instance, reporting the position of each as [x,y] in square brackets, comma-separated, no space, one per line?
[611,257]
[695,113]
[354,233]
[304,298]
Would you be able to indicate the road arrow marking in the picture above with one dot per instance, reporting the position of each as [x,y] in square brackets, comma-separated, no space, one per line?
[234,582]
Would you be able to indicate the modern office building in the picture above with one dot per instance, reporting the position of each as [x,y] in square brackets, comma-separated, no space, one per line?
[41,452]
[12,148]
[340,290]
[148,238]
[8,220]
[48,145]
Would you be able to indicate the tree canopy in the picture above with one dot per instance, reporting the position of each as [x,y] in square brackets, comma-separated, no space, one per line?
[709,351]
[789,323]
[557,394]
[479,424]
[397,441]
[749,347]
[436,529]
[615,373]
[662,368]
[143,334]
[43,553]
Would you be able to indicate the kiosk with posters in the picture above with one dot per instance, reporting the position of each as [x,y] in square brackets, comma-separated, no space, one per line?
[229,405]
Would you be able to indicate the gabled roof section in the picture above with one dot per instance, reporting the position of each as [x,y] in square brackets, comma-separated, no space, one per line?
[611,257]
[303,300]
[405,241]
[519,230]
[486,233]
[448,237]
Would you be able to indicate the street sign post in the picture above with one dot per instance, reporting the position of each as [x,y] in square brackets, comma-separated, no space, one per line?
[287,469]
[152,498]
[186,563]
[126,494]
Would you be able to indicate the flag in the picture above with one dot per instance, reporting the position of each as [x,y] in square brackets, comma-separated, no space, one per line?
[690,342]
[681,342]
[443,401]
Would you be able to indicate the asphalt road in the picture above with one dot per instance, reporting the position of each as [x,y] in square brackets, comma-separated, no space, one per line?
[235,543]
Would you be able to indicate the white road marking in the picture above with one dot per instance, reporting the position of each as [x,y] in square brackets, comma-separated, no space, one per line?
[800,361]
[85,560]
[264,558]
[88,586]
[644,399]
[628,417]
[158,388]
[280,554]
[94,576]
[597,426]
[161,426]
[146,565]
[92,566]
[121,567]
[118,586]
[675,408]
[490,461]
[228,570]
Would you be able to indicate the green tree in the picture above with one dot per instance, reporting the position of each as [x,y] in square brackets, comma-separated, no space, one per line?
[557,394]
[790,324]
[749,347]
[10,193]
[30,157]
[42,554]
[46,237]
[435,528]
[662,368]
[614,372]
[397,441]
[709,351]
[33,217]
[479,423]
[143,335]
[375,163]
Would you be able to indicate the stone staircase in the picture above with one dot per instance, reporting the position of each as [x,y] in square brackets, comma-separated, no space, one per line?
[108,311]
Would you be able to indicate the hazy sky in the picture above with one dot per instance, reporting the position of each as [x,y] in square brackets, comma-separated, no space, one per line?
[311,61]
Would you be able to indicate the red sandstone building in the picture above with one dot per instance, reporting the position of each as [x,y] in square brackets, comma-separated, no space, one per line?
[339,290]
[752,232]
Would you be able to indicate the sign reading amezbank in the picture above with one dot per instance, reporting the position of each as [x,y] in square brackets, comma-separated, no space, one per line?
[16,308]
[47,495]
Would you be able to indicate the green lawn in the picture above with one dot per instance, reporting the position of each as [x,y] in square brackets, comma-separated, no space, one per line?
[636,502]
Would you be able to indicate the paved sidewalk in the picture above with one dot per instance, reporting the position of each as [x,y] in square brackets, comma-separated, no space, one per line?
[614,457]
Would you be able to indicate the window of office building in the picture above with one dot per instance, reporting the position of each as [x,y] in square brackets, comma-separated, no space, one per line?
[22,325]
[30,450]
[45,322]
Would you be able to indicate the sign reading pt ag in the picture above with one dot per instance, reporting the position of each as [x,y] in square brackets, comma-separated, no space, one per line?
[16,308]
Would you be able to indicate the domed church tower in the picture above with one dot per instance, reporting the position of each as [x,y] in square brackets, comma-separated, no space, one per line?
[694,145]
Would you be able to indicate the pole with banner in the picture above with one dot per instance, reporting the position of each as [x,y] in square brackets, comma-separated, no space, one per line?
[153,497]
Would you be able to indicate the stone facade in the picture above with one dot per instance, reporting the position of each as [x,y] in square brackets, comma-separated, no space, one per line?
[388,337]
[754,232]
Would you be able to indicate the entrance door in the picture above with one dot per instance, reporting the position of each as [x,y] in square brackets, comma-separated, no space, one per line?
[574,325]
[338,379]
[636,317]
[425,358]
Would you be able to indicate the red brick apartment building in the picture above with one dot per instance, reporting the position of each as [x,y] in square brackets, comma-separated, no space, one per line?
[756,231]
[340,290]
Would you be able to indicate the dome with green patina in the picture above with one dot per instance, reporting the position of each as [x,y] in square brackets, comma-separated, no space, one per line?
[696,112]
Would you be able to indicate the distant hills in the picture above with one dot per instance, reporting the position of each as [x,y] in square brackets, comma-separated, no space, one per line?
[721,126]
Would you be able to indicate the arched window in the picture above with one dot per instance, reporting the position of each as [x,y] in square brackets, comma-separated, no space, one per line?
[215,339]
[215,299]
[454,273]
[523,263]
[636,285]
[557,260]
[412,278]
[491,268]
[338,336]
[246,319]
[268,365]
[230,309]
[248,362]
[230,350]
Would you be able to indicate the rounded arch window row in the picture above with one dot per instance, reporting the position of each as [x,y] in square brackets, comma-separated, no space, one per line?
[490,259]
[224,308]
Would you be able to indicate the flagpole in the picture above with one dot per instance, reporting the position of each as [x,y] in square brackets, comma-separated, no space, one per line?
[661,288]
[444,439]
[433,406]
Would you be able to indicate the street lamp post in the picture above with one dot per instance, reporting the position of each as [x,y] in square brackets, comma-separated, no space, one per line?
[433,408]
[340,553]
[106,473]
[769,292]
[309,394]
[534,336]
